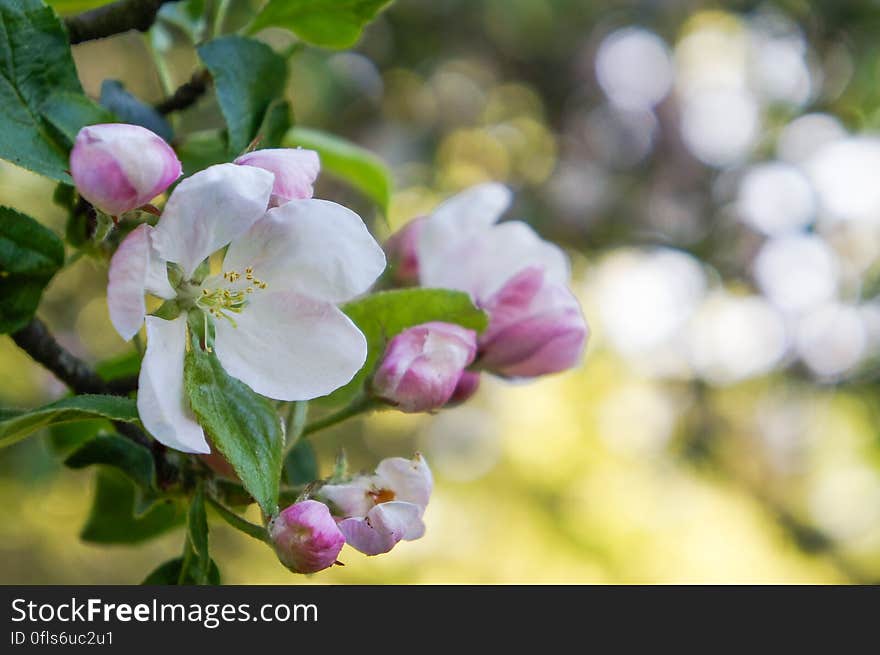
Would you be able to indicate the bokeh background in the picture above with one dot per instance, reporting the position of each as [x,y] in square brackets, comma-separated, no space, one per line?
[712,167]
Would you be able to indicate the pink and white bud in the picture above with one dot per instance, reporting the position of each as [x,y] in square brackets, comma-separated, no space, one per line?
[467,386]
[401,250]
[305,537]
[378,510]
[295,171]
[423,364]
[119,167]
[535,327]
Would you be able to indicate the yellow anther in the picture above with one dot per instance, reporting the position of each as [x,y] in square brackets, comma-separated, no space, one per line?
[249,290]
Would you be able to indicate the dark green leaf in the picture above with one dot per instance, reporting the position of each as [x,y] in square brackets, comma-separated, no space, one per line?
[240,423]
[30,255]
[197,533]
[68,112]
[128,457]
[130,109]
[275,124]
[125,365]
[36,63]
[384,315]
[301,464]
[169,574]
[113,518]
[248,77]
[202,149]
[76,408]
[355,165]
[326,23]
[64,438]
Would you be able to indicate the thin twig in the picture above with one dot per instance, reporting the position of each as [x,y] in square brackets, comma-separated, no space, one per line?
[114,18]
[187,94]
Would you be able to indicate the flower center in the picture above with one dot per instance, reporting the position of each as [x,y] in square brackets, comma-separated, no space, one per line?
[381,495]
[230,299]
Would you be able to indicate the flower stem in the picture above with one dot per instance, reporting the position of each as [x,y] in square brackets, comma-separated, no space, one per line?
[359,405]
[233,519]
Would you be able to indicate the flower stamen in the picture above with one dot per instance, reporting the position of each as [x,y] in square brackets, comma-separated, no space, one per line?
[225,301]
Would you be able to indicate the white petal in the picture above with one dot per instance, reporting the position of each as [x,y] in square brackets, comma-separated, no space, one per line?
[161,403]
[459,218]
[134,270]
[290,347]
[350,498]
[208,210]
[383,527]
[485,262]
[315,247]
[409,479]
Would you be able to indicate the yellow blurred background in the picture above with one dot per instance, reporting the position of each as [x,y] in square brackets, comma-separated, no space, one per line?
[707,172]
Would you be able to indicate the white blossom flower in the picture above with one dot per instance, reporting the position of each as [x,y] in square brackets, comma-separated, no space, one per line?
[377,511]
[273,307]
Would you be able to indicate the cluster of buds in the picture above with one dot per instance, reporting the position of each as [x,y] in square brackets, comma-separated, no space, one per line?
[372,513]
[535,323]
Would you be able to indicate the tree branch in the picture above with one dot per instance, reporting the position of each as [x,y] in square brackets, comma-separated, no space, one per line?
[186,95]
[36,340]
[114,18]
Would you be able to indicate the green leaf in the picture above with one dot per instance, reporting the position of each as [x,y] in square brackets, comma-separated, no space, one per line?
[113,518]
[325,23]
[197,535]
[130,109]
[64,438]
[127,364]
[30,255]
[169,574]
[275,125]
[240,423]
[301,464]
[36,63]
[76,408]
[248,77]
[202,149]
[116,451]
[383,315]
[354,165]
[68,112]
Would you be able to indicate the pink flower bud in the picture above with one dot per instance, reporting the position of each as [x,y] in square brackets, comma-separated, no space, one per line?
[305,537]
[535,327]
[119,167]
[402,252]
[467,386]
[423,364]
[295,171]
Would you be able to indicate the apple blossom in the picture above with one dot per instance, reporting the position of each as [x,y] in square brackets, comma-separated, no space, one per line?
[422,366]
[295,171]
[535,323]
[401,250]
[276,324]
[467,386]
[119,167]
[377,511]
[305,537]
